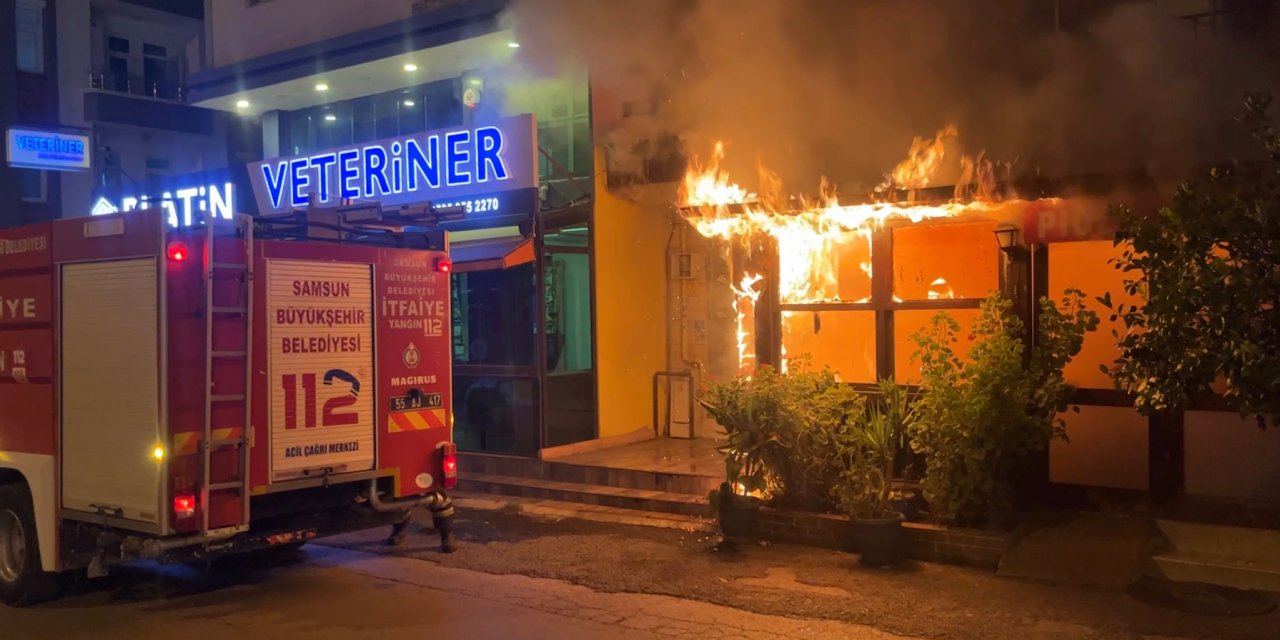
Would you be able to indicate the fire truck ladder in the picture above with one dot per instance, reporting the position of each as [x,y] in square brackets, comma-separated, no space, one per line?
[240,271]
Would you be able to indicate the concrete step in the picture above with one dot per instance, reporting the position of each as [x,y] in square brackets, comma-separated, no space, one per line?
[1227,556]
[593,512]
[489,464]
[1184,566]
[618,497]
[1219,540]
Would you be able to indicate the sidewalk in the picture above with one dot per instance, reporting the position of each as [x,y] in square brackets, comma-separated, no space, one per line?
[918,600]
[660,616]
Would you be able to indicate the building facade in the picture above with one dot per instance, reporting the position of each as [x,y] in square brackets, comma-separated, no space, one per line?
[537,360]
[111,76]
[585,308]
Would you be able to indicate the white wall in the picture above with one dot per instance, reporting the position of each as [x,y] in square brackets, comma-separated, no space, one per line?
[237,32]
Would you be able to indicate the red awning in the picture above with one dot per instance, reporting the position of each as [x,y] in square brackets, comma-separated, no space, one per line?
[485,255]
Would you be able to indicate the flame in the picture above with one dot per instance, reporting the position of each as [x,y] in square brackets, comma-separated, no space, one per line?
[744,309]
[809,240]
[710,185]
[939,289]
[924,159]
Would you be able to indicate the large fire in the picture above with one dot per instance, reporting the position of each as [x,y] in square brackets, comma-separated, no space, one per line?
[811,238]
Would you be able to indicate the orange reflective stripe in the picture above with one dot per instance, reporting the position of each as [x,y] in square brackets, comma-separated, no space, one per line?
[436,418]
[185,443]
[419,420]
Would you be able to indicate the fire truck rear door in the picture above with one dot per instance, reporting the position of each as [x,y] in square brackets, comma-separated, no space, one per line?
[110,389]
[321,369]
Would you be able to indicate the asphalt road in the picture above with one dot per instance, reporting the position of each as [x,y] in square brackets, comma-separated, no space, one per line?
[323,593]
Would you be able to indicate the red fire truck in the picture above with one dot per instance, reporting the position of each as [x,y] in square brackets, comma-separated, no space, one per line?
[176,395]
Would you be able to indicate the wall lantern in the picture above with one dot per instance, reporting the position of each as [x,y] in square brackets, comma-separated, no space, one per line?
[1007,236]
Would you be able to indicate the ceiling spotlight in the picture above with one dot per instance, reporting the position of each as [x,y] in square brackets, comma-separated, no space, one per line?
[513,45]
[409,66]
[322,87]
[409,103]
[242,104]
[329,117]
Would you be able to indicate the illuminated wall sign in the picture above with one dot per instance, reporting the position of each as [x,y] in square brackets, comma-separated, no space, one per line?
[447,165]
[184,206]
[50,150]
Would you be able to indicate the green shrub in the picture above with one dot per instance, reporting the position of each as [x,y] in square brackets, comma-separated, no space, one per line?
[979,421]
[867,445]
[781,430]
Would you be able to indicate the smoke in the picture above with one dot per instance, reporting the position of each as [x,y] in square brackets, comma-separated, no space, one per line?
[840,87]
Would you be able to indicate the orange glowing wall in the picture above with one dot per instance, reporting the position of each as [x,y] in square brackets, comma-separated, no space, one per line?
[1108,445]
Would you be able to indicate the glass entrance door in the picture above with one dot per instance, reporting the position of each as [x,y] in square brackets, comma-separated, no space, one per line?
[570,396]
[496,391]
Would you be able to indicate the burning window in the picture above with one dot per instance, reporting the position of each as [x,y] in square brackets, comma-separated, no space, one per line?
[816,267]
[907,323]
[826,299]
[937,261]
[842,340]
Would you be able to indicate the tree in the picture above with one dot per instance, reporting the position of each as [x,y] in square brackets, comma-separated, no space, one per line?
[1206,272]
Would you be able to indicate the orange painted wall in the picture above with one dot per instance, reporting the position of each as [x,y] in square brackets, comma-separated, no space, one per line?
[630,290]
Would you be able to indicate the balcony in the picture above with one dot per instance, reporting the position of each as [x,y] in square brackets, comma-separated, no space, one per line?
[138,85]
[134,100]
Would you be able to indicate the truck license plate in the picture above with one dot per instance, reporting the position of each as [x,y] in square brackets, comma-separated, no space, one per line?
[419,401]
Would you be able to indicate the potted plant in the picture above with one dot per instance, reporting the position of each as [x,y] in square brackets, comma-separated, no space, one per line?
[741,409]
[735,509]
[868,446]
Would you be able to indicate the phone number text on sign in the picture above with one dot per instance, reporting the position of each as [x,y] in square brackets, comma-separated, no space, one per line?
[321,339]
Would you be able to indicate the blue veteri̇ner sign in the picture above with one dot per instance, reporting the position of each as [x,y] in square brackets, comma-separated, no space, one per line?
[37,149]
[438,166]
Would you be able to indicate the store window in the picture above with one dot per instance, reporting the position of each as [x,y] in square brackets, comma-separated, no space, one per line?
[830,312]
[567,290]
[385,115]
[842,340]
[29,35]
[907,323]
[496,310]
[563,109]
[495,414]
[945,260]
[819,268]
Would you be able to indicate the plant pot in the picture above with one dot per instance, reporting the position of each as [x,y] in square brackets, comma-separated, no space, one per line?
[907,503]
[878,540]
[738,517]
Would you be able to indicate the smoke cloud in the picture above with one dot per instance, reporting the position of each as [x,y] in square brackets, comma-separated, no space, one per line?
[840,87]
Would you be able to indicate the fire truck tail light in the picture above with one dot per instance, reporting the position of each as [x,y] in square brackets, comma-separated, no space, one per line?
[178,251]
[449,462]
[444,265]
[184,506]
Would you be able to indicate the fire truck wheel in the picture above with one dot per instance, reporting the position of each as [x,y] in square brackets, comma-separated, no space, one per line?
[22,582]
